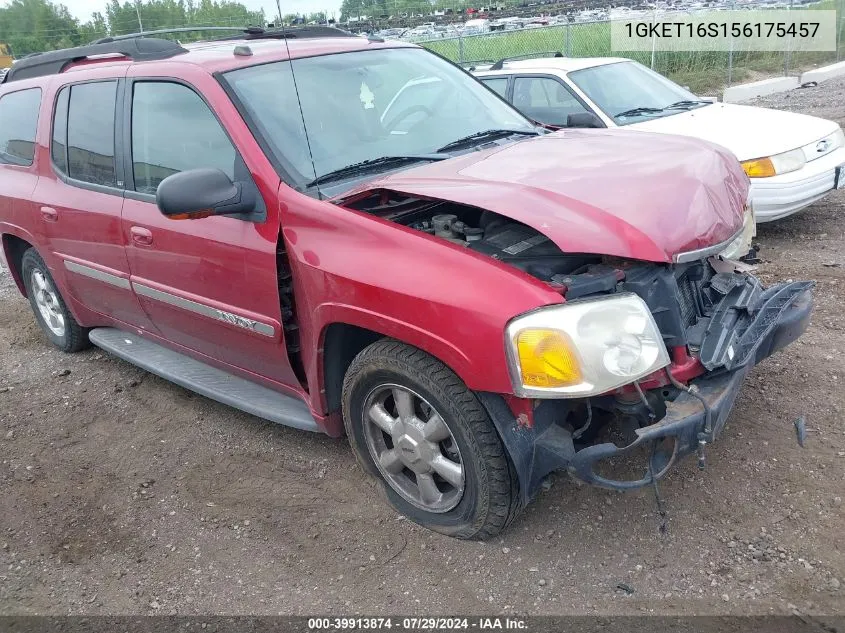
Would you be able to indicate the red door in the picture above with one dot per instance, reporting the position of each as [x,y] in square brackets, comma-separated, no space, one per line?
[209,285]
[79,201]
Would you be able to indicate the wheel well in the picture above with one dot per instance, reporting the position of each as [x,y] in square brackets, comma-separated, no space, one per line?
[14,248]
[341,344]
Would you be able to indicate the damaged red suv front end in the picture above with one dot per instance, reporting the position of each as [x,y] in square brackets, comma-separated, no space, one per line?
[618,240]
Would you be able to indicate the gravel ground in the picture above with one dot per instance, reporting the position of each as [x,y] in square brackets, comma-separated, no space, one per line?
[121,493]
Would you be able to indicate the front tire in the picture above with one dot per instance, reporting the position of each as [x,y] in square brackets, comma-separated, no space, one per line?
[50,310]
[416,426]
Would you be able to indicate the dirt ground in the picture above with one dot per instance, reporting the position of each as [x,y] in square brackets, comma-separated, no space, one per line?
[123,494]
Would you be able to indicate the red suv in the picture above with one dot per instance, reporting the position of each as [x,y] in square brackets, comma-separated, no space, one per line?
[354,236]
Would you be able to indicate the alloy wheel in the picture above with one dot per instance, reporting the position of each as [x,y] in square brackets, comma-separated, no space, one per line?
[47,301]
[413,448]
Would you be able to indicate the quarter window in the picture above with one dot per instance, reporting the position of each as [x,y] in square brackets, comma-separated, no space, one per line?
[174,130]
[58,148]
[18,121]
[499,85]
[90,133]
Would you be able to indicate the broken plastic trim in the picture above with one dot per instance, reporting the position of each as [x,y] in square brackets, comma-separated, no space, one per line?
[742,322]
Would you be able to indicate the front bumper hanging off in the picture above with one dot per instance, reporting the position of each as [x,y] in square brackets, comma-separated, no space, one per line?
[757,325]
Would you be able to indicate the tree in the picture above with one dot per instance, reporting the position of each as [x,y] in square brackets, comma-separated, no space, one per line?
[31,26]
[94,29]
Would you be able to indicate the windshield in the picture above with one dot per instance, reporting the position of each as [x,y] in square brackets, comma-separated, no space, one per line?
[363,106]
[629,86]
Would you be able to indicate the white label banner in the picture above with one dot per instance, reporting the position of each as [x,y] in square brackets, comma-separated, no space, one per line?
[748,30]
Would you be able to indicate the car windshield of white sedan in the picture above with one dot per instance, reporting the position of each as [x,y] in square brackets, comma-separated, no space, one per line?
[386,107]
[629,92]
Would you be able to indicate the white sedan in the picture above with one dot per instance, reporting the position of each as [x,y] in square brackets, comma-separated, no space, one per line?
[793,160]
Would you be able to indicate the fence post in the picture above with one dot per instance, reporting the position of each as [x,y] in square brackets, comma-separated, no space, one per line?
[730,62]
[786,52]
[568,46]
[653,36]
[460,48]
[731,53]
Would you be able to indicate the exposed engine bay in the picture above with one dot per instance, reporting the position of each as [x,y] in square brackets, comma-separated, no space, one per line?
[709,311]
[482,231]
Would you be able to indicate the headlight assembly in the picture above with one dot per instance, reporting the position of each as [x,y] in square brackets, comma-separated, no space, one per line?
[742,243]
[775,165]
[583,348]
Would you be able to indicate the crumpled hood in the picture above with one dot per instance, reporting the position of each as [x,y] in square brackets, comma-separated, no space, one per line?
[611,192]
[747,131]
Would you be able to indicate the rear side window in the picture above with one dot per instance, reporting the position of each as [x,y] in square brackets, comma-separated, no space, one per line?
[90,133]
[18,121]
[173,130]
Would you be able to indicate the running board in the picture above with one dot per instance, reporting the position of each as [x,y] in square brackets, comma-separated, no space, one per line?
[206,380]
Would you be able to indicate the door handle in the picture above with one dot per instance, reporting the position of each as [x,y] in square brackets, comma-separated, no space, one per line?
[141,236]
[49,214]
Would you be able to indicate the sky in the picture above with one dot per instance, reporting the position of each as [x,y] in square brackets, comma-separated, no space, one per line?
[83,9]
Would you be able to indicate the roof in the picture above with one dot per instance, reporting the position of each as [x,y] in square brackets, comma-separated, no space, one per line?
[216,55]
[552,64]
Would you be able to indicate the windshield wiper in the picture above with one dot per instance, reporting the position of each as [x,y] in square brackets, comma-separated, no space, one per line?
[486,135]
[637,111]
[373,164]
[688,103]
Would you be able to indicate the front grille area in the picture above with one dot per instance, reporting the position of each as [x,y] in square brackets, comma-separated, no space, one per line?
[680,297]
[686,297]
[694,302]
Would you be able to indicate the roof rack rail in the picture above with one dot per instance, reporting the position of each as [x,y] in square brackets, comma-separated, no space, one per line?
[248,33]
[143,47]
[183,29]
[53,62]
[285,32]
[499,64]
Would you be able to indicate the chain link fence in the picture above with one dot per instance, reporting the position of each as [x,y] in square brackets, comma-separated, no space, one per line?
[701,71]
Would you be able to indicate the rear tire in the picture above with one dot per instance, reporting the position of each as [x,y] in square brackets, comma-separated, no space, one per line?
[49,307]
[416,426]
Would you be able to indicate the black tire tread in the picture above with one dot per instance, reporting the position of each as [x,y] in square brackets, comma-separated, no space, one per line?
[502,500]
[76,336]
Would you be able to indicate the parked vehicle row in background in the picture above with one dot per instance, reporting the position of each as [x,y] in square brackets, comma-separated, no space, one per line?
[355,236]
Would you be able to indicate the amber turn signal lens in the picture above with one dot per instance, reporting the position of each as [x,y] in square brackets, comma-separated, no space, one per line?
[546,359]
[759,168]
[195,215]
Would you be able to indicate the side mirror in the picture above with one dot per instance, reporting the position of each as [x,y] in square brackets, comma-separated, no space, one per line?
[199,193]
[584,119]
